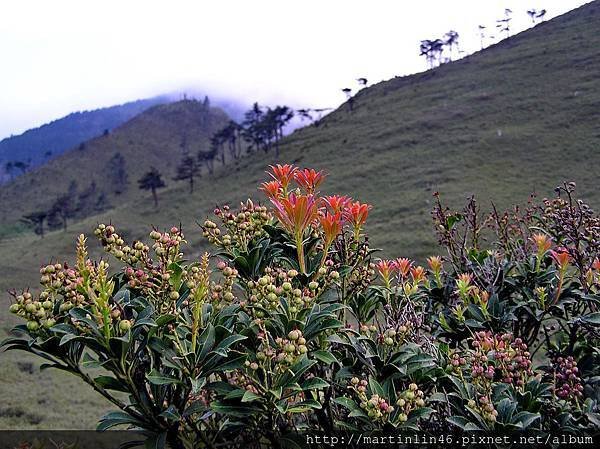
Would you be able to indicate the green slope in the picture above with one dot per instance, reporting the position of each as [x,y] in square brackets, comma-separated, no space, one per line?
[518,117]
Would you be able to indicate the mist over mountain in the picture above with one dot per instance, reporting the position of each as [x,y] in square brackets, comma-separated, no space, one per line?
[37,146]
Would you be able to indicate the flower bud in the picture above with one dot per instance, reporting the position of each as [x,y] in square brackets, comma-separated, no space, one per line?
[124,325]
[294,335]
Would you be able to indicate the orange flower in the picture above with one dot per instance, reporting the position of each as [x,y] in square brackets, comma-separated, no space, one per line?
[561,258]
[296,213]
[417,274]
[332,226]
[309,179]
[542,242]
[357,214]
[596,264]
[386,268]
[465,278]
[435,263]
[273,189]
[463,284]
[484,296]
[403,265]
[283,173]
[337,203]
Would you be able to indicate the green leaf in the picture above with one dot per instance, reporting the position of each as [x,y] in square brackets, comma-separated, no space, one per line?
[156,378]
[452,220]
[233,410]
[226,343]
[197,384]
[165,319]
[347,403]
[171,414]
[314,383]
[592,318]
[250,397]
[463,423]
[115,419]
[175,279]
[89,362]
[376,387]
[110,383]
[506,408]
[67,338]
[305,406]
[324,356]
[524,419]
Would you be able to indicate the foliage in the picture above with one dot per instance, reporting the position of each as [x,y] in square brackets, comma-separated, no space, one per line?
[296,327]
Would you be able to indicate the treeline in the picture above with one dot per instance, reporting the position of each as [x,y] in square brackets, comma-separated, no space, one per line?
[77,203]
[74,204]
[261,130]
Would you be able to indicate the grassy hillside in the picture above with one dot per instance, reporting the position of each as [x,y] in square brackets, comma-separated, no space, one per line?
[52,139]
[520,116]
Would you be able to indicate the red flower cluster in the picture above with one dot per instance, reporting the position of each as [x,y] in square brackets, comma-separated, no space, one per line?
[302,209]
[402,267]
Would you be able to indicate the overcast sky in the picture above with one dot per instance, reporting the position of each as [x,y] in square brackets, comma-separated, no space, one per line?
[60,56]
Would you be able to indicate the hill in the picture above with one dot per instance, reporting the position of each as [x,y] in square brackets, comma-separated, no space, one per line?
[37,146]
[157,137]
[518,117]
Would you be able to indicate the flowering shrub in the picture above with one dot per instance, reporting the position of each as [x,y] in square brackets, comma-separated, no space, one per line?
[294,325]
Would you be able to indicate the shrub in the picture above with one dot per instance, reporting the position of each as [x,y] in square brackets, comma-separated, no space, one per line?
[294,325]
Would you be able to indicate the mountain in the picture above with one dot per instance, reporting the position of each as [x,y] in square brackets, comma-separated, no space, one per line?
[37,146]
[155,138]
[518,117]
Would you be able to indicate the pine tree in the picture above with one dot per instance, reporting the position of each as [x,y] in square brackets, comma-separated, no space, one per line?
[61,211]
[152,181]
[116,172]
[188,169]
[36,221]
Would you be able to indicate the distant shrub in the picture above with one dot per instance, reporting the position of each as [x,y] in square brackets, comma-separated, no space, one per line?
[294,325]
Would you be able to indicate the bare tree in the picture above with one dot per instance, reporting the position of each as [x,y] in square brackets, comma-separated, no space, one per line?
[348,92]
[504,24]
[451,41]
[481,34]
[541,14]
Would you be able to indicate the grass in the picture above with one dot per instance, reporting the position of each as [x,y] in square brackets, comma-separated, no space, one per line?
[520,116]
